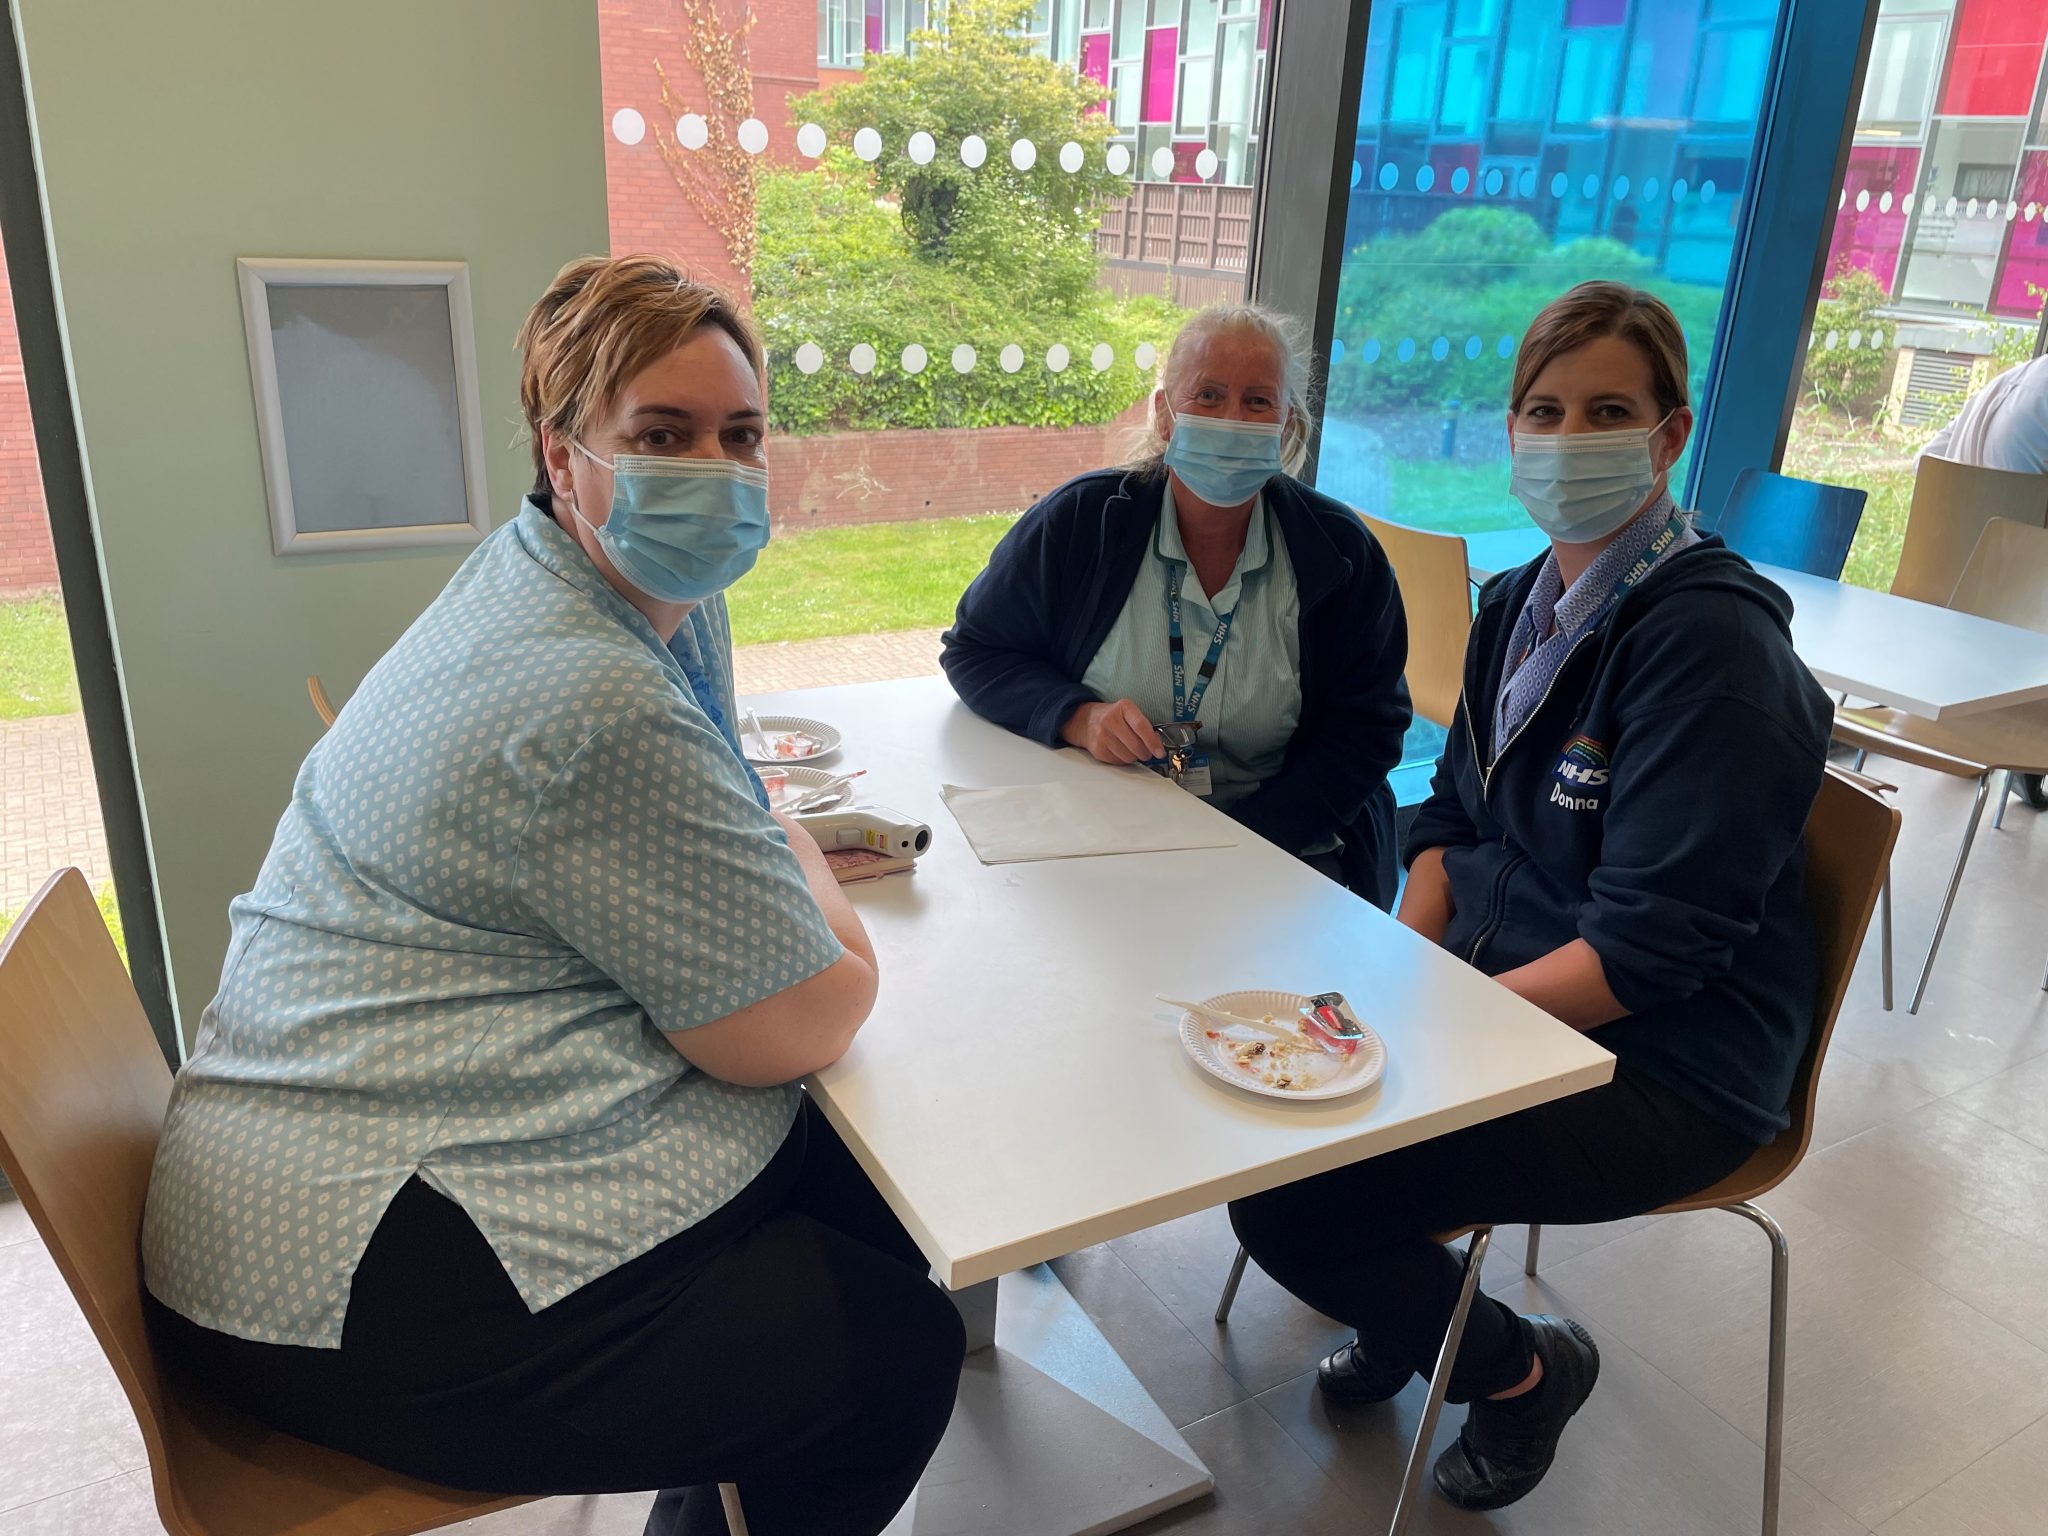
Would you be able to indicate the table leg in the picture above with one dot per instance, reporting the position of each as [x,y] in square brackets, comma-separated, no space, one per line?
[1052,1434]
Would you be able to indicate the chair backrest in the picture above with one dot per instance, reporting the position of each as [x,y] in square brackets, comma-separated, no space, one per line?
[1806,525]
[1849,837]
[322,705]
[1951,504]
[2007,577]
[1436,590]
[83,1089]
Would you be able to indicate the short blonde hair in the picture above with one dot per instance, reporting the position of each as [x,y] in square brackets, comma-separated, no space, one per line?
[1290,349]
[603,320]
[1593,310]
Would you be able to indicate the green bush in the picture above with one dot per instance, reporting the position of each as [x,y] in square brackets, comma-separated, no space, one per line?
[1842,377]
[837,267]
[1481,272]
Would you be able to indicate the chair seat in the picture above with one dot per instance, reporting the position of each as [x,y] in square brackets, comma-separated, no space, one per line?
[2014,739]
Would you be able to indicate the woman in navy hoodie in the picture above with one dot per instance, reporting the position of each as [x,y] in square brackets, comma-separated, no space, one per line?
[1206,584]
[1614,833]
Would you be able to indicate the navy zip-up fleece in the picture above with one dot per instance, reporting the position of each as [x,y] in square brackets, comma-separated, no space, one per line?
[1029,625]
[1654,804]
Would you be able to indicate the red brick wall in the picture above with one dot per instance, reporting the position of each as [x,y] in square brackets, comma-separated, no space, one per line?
[27,562]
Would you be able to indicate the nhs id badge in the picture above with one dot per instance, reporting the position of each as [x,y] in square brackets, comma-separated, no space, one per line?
[1193,775]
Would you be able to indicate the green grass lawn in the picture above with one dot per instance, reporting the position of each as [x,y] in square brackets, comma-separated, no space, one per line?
[1882,468]
[35,660]
[108,911]
[863,580]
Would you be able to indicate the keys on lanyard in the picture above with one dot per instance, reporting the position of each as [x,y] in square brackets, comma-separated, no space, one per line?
[1184,765]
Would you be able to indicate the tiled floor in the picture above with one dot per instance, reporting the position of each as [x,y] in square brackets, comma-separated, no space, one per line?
[1918,1400]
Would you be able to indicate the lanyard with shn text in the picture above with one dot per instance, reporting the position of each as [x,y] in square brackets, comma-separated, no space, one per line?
[1186,705]
[707,700]
[1626,582]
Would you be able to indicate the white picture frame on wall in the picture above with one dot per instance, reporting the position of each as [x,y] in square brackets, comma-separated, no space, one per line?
[367,413]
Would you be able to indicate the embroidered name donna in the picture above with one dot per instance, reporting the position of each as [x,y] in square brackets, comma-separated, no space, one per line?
[1572,802]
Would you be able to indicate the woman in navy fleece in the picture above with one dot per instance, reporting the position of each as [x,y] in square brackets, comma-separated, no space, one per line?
[1205,583]
[1614,832]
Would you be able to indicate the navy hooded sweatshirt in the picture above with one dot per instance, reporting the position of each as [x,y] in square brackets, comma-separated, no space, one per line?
[1653,804]
[1029,625]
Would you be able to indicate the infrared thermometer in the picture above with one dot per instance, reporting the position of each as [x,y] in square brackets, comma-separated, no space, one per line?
[869,826]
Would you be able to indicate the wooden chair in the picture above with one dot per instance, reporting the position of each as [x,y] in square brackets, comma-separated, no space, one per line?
[1436,590]
[322,705]
[1849,837]
[1804,524]
[1951,504]
[82,1095]
[2005,579]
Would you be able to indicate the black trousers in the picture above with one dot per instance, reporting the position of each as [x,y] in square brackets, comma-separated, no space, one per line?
[1354,1243]
[790,1343]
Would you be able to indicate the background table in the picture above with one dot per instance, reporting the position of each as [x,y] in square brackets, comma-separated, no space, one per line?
[1933,662]
[1018,1094]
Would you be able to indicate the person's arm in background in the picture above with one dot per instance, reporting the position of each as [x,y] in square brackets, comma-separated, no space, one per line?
[1441,823]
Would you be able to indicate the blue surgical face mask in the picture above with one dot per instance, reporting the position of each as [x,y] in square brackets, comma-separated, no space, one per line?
[1581,486]
[1222,460]
[682,529]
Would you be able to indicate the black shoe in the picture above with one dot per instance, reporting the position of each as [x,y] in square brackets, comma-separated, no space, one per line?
[1352,1376]
[1506,1446]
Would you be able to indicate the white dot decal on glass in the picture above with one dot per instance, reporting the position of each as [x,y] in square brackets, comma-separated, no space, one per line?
[922,148]
[1357,173]
[1370,352]
[1146,356]
[1057,357]
[1678,190]
[963,358]
[1119,160]
[1473,347]
[1952,206]
[1101,356]
[810,357]
[1425,177]
[1440,348]
[1525,184]
[1072,157]
[692,132]
[973,151]
[1011,358]
[914,358]
[1620,188]
[810,140]
[1906,202]
[1884,203]
[1876,341]
[867,143]
[1651,187]
[1505,347]
[1162,162]
[2012,209]
[1460,179]
[1970,212]
[1590,188]
[1494,182]
[1856,340]
[1023,154]
[1863,201]
[1560,184]
[1390,176]
[1707,190]
[753,136]
[628,126]
[1336,350]
[1407,348]
[861,359]
[2033,212]
[1842,200]
[1206,163]
[1834,340]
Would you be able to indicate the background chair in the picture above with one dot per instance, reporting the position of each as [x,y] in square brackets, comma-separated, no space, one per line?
[2006,579]
[1951,504]
[1802,524]
[1849,838]
[1436,590]
[82,1095]
[322,705]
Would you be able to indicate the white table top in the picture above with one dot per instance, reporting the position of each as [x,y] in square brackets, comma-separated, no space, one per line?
[1928,661]
[1018,1094]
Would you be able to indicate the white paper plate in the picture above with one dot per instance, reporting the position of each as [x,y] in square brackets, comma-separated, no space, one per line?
[774,725]
[803,780]
[1333,1076]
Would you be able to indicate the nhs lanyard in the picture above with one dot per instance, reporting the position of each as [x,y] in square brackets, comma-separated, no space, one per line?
[707,700]
[1187,706]
[1624,584]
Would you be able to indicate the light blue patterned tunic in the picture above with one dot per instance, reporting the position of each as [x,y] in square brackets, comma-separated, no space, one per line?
[521,852]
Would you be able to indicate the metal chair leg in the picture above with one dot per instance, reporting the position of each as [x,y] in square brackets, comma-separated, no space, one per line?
[1439,1383]
[2005,794]
[1774,1401]
[1230,1286]
[1955,879]
[1884,934]
[735,1517]
[1862,757]
[1529,1258]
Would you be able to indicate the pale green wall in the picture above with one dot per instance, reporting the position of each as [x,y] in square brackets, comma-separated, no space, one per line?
[175,137]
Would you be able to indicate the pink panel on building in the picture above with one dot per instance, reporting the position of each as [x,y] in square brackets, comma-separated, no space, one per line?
[874,27]
[2025,275]
[1870,237]
[1160,46]
[1265,23]
[1095,58]
[1997,59]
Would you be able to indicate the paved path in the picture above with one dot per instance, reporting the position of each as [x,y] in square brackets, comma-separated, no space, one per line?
[49,806]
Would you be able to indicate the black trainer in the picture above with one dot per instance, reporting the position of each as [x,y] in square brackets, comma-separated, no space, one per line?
[1352,1376]
[1506,1446]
